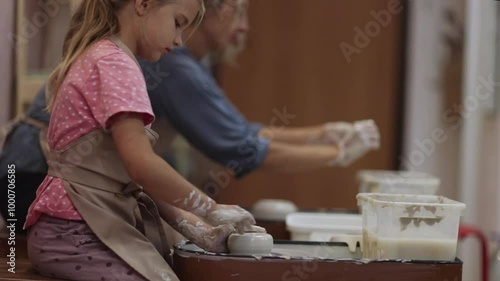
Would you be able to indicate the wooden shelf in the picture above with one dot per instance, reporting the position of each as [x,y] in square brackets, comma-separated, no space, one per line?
[28,81]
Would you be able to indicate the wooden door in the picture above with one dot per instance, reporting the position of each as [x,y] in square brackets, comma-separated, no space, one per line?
[294,59]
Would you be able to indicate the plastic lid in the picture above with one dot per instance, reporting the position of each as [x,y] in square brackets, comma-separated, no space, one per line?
[397,177]
[405,200]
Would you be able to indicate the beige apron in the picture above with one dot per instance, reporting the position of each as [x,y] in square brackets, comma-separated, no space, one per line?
[98,185]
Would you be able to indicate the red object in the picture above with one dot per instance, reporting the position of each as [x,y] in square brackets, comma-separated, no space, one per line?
[465,231]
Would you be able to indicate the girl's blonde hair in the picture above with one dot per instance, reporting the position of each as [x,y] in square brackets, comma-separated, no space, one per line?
[92,21]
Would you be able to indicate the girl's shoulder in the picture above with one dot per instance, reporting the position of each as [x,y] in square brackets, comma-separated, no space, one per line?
[103,49]
[105,58]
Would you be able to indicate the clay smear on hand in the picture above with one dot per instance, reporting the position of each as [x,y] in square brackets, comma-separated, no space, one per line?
[211,239]
[194,203]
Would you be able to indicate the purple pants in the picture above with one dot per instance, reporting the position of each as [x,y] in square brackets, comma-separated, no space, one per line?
[69,250]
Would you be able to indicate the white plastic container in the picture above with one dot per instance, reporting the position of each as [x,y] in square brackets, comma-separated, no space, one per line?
[325,227]
[410,227]
[397,182]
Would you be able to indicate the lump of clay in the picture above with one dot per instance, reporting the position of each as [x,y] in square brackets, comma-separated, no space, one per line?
[250,243]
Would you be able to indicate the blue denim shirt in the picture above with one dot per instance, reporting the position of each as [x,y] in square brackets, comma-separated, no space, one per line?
[184,91]
[23,148]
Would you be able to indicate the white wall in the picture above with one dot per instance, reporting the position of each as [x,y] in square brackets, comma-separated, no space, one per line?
[480,180]
[425,100]
[482,126]
[468,160]
[7,14]
[488,178]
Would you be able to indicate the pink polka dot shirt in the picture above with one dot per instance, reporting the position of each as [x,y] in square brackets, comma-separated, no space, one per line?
[101,83]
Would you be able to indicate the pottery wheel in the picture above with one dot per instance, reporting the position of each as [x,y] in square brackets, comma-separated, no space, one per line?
[311,261]
[288,251]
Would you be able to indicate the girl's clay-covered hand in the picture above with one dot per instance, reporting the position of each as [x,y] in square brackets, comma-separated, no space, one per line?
[209,238]
[234,215]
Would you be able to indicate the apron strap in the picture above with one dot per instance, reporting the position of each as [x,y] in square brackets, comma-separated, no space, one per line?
[43,138]
[153,227]
[35,123]
[125,49]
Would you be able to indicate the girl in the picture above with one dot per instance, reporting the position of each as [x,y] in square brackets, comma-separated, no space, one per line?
[83,224]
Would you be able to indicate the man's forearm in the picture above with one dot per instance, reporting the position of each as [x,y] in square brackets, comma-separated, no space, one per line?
[289,158]
[293,135]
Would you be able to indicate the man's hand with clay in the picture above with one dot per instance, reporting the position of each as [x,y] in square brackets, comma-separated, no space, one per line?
[354,140]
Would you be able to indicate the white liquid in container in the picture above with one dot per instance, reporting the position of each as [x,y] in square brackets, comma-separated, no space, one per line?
[408,248]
